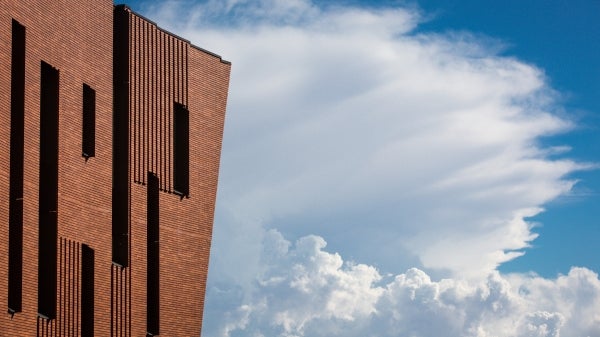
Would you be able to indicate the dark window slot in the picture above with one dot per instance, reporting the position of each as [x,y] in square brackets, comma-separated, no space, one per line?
[89,122]
[153,291]
[48,191]
[120,198]
[15,256]
[87,291]
[181,141]
[17,131]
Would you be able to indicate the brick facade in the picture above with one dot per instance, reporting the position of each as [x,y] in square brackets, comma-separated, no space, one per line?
[125,222]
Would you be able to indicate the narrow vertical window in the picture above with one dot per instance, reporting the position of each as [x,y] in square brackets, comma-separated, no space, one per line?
[120,181]
[48,191]
[181,130]
[87,291]
[89,122]
[15,203]
[152,290]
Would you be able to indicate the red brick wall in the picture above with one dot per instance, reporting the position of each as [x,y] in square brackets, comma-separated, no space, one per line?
[184,74]
[76,38]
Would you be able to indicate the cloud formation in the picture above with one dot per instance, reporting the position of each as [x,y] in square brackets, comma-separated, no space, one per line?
[404,149]
[304,290]
[346,123]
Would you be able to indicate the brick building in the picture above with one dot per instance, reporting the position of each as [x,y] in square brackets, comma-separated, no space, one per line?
[110,139]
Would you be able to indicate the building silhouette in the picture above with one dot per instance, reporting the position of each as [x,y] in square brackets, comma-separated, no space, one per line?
[110,140]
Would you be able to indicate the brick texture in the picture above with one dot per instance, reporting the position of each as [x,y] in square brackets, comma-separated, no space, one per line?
[77,39]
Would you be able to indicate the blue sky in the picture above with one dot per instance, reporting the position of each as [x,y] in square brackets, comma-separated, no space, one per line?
[381,156]
[561,38]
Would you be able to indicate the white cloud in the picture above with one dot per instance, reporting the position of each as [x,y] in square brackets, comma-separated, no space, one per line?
[345,121]
[307,291]
[402,148]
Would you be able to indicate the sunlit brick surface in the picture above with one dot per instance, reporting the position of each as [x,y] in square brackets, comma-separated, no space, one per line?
[77,39]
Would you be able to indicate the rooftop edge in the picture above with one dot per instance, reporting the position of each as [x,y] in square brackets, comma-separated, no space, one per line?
[127,8]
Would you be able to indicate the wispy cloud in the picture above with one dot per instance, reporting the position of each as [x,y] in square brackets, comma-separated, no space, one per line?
[402,149]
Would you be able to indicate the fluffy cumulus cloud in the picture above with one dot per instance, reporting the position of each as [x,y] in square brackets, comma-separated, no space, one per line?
[401,148]
[303,290]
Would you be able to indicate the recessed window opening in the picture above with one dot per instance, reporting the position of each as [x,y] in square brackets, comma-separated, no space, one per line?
[120,181]
[48,191]
[153,286]
[17,141]
[181,144]
[87,291]
[89,122]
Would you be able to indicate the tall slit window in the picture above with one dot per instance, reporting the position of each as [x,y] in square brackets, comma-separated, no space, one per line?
[48,191]
[153,286]
[120,160]
[17,137]
[181,142]
[87,291]
[89,122]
